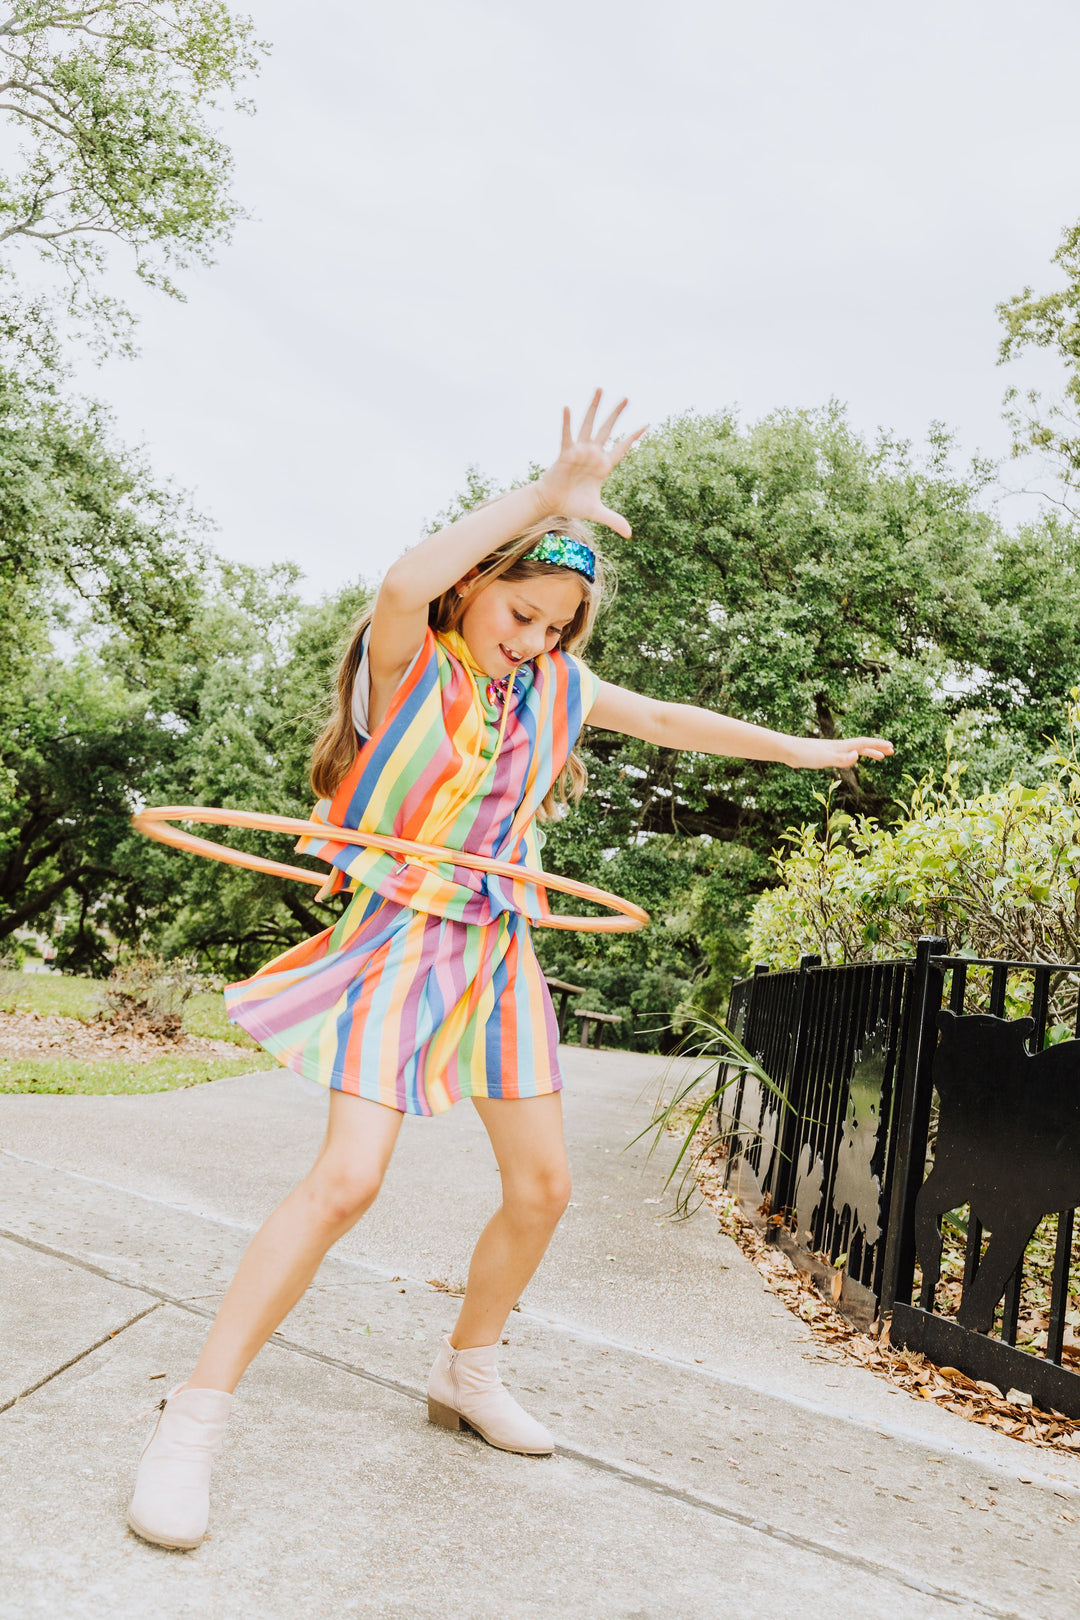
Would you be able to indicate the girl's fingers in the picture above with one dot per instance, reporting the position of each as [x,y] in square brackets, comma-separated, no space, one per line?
[603,433]
[870,747]
[612,520]
[590,416]
[617,451]
[567,435]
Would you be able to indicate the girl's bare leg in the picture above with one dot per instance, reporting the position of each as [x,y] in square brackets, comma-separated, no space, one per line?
[288,1248]
[527,1136]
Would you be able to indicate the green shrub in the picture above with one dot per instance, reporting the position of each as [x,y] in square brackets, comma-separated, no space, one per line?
[997,874]
[147,994]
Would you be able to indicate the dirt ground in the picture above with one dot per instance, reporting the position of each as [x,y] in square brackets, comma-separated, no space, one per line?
[30,1034]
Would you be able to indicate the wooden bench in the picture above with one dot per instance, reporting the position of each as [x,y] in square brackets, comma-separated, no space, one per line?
[597,1018]
[567,990]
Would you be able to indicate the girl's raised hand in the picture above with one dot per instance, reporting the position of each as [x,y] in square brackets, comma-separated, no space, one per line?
[571,486]
[839,754]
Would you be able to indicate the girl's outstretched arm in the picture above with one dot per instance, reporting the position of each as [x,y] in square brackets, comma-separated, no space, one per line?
[681,725]
[571,487]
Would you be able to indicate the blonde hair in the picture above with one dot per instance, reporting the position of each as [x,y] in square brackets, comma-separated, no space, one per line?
[335,748]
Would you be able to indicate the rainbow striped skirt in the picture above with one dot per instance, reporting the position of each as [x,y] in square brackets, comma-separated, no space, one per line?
[408,1009]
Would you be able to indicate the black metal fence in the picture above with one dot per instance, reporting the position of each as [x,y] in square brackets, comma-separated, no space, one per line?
[830,1039]
[912,1099]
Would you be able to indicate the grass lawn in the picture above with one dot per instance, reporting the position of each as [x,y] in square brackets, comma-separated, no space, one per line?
[114,1076]
[68,997]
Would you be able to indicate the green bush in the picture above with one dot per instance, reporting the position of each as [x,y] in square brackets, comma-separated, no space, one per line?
[147,994]
[997,874]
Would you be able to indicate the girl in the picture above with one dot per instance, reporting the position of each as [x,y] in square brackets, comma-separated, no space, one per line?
[459,702]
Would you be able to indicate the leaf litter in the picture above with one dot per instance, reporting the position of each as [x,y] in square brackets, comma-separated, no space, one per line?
[30,1035]
[839,1340]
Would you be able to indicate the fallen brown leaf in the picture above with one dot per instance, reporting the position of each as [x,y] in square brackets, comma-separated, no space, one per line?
[978,1401]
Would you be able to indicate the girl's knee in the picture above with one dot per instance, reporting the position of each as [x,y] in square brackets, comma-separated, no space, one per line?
[341,1194]
[542,1196]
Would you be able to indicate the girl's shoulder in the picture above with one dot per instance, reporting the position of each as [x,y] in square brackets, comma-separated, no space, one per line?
[361,692]
[578,682]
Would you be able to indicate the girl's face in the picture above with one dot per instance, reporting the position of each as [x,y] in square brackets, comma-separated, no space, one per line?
[510,622]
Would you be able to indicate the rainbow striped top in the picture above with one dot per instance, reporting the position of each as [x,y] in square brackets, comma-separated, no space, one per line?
[433,772]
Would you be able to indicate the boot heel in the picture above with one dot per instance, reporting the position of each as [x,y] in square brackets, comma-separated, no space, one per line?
[444,1416]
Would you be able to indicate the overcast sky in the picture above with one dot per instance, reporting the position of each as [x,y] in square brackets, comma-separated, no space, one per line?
[468,212]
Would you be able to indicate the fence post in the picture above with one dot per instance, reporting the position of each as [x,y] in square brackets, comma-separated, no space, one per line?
[734,1140]
[791,1117]
[912,1121]
[749,1034]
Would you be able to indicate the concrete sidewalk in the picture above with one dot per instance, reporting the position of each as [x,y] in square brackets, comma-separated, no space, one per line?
[711,1456]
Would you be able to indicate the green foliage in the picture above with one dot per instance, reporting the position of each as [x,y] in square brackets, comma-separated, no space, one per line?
[695,891]
[998,874]
[1049,321]
[115,102]
[718,1059]
[112,101]
[110,1076]
[127,665]
[791,574]
[222,713]
[84,528]
[76,742]
[244,698]
[795,576]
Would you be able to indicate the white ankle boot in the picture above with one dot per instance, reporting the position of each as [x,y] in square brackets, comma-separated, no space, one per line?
[465,1388]
[171,1503]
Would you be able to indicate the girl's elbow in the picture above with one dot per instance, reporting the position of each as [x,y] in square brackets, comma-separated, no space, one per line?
[662,722]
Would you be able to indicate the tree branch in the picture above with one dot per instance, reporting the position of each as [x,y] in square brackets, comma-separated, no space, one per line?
[307,919]
[38,118]
[38,903]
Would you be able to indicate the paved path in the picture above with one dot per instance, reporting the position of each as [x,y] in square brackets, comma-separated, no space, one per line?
[711,1460]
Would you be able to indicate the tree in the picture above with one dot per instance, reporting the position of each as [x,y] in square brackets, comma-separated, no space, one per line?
[115,104]
[220,711]
[244,695]
[75,741]
[84,528]
[1050,428]
[114,100]
[791,574]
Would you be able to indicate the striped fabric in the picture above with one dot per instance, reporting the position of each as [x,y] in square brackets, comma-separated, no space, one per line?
[427,989]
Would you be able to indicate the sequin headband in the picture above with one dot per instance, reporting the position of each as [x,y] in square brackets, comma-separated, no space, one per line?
[564,553]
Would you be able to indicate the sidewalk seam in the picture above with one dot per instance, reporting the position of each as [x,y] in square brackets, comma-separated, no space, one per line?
[629,1476]
[790,1538]
[81,1356]
[896,1431]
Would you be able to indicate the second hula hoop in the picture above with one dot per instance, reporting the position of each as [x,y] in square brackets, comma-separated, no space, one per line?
[156,824]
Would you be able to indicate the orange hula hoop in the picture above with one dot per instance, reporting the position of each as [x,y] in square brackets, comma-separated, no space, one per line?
[155,824]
